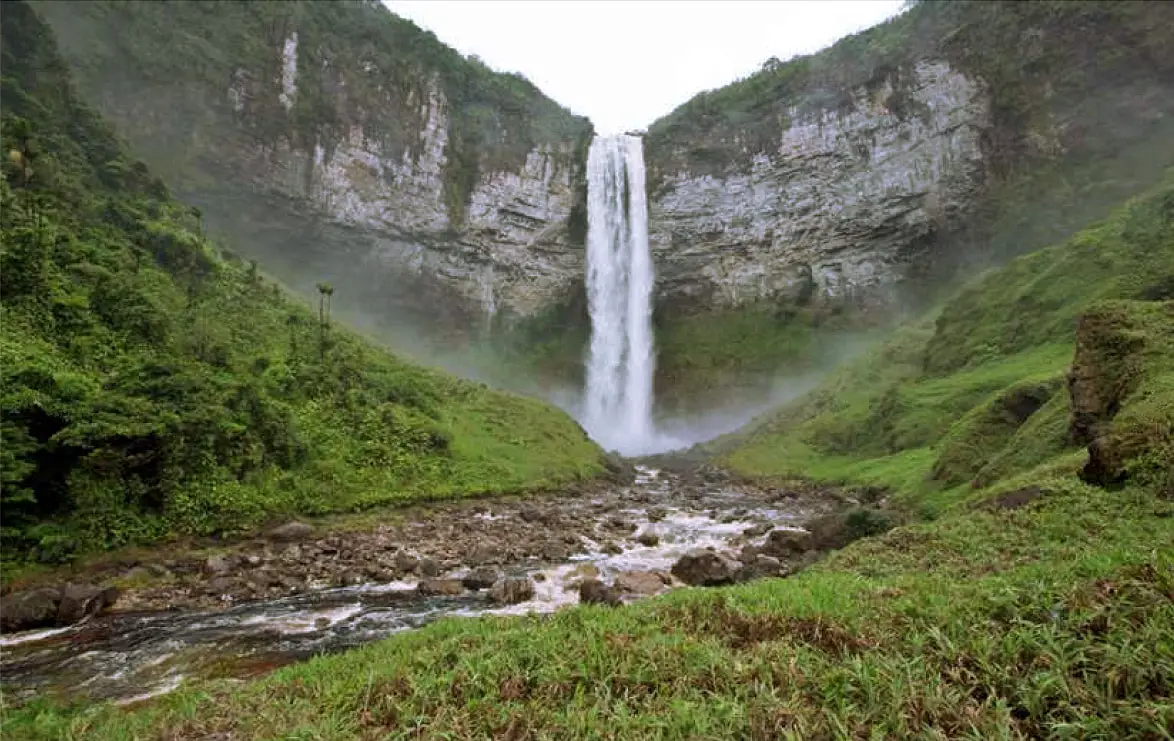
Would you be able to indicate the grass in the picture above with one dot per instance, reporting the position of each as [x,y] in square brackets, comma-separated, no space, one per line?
[1052,620]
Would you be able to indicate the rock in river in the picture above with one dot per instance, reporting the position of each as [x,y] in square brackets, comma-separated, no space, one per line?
[482,577]
[34,608]
[705,569]
[512,591]
[595,592]
[437,587]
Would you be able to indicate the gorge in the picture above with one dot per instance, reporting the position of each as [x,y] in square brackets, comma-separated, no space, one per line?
[863,371]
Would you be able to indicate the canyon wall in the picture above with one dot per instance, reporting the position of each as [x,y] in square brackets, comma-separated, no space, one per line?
[338,142]
[850,174]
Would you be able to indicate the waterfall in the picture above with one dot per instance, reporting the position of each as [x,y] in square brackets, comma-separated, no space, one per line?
[618,406]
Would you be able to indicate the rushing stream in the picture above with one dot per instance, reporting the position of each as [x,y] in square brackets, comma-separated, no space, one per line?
[126,657]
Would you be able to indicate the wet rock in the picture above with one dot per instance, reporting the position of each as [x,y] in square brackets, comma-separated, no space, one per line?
[406,562]
[639,582]
[655,514]
[555,552]
[611,549]
[292,554]
[482,577]
[253,560]
[595,592]
[429,567]
[648,538]
[532,514]
[511,591]
[582,572]
[290,532]
[217,565]
[755,531]
[749,553]
[621,524]
[82,600]
[838,529]
[220,586]
[349,579]
[705,568]
[34,608]
[440,587]
[482,553]
[786,543]
[761,567]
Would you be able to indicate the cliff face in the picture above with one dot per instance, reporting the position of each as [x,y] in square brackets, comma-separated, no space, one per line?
[843,174]
[346,144]
[842,200]
[337,142]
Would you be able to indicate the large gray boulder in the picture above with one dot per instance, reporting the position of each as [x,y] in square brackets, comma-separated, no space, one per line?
[512,590]
[705,569]
[33,608]
[82,600]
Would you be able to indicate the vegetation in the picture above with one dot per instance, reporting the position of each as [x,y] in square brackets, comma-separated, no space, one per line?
[1031,415]
[152,386]
[979,396]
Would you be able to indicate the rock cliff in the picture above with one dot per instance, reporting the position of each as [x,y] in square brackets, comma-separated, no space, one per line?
[843,174]
[346,144]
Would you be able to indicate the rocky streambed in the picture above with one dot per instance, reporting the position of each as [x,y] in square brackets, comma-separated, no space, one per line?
[296,592]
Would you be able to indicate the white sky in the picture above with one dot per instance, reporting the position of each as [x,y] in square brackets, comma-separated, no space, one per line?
[625,64]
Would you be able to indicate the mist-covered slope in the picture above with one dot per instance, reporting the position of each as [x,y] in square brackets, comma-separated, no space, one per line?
[1062,361]
[153,385]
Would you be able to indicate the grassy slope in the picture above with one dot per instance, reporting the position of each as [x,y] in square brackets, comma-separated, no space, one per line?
[151,386]
[1050,617]
[929,410]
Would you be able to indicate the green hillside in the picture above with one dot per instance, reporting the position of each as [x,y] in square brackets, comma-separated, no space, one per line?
[1037,604]
[981,392]
[154,384]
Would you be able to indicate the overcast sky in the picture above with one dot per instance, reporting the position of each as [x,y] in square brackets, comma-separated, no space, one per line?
[625,64]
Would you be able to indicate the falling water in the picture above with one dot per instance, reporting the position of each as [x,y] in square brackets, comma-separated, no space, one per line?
[618,410]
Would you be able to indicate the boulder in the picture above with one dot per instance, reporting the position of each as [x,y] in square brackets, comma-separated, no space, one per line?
[82,600]
[216,565]
[482,577]
[756,530]
[290,532]
[639,582]
[786,543]
[648,538]
[761,567]
[511,591]
[429,567]
[482,553]
[406,562]
[595,592]
[705,569]
[33,608]
[532,514]
[440,587]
